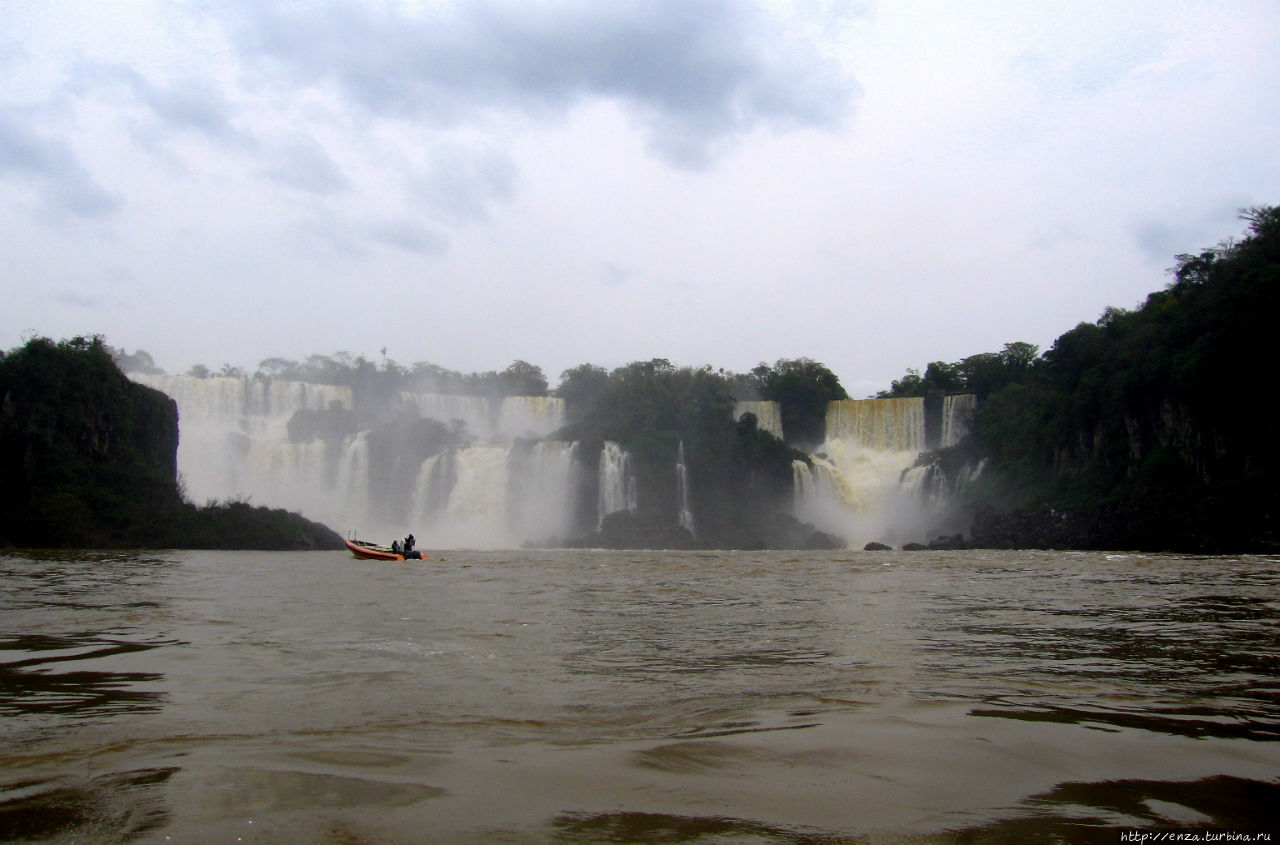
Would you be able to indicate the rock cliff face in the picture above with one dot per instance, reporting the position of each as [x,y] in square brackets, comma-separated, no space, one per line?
[89,458]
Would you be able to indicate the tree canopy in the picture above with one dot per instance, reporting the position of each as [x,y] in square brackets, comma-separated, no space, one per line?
[1152,407]
[802,387]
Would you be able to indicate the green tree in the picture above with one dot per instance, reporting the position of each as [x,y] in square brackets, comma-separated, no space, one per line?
[524,379]
[802,387]
[139,362]
[911,384]
[579,388]
[281,368]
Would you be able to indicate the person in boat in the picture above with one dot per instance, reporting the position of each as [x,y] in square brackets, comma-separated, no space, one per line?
[408,543]
[395,547]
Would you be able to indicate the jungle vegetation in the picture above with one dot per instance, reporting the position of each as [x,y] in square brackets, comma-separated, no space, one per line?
[1149,416]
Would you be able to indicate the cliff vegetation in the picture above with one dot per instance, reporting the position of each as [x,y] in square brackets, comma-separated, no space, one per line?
[88,459]
[1142,430]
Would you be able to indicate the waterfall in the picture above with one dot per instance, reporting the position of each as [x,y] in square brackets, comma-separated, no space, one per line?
[431,488]
[489,490]
[299,474]
[926,484]
[230,427]
[530,416]
[885,425]
[803,482]
[682,491]
[768,415]
[542,485]
[957,410]
[969,473]
[864,484]
[853,487]
[352,484]
[475,514]
[821,480]
[476,413]
[617,481]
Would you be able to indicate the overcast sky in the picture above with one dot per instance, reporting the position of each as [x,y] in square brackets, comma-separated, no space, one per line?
[874,185]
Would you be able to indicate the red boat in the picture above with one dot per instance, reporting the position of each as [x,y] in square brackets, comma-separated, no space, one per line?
[365,550]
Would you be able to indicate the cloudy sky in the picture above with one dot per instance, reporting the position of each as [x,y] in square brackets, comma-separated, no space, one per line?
[872,184]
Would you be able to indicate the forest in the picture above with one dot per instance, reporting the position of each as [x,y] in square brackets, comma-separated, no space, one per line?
[1141,430]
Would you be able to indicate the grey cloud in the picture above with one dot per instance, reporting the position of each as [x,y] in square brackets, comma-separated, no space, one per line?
[698,73]
[462,183]
[328,235]
[189,104]
[410,235]
[303,163]
[54,169]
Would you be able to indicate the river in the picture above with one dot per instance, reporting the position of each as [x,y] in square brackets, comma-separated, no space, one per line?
[607,696]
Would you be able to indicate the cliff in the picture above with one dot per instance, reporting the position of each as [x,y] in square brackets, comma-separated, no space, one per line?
[1137,427]
[88,459]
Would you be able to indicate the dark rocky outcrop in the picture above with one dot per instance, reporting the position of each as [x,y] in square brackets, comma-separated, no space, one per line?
[1130,525]
[88,458]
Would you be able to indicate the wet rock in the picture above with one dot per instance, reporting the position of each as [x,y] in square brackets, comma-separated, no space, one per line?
[955,541]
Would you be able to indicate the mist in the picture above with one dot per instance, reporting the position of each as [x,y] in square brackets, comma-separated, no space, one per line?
[485,470]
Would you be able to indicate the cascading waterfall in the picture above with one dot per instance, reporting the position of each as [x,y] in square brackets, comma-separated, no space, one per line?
[542,484]
[852,489]
[492,491]
[969,473]
[957,410]
[926,484]
[496,494]
[475,514]
[530,417]
[232,430]
[882,425]
[475,413]
[768,415]
[495,480]
[618,490]
[863,483]
[352,485]
[682,492]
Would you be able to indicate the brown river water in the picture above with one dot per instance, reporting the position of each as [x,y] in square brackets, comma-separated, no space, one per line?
[605,696]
